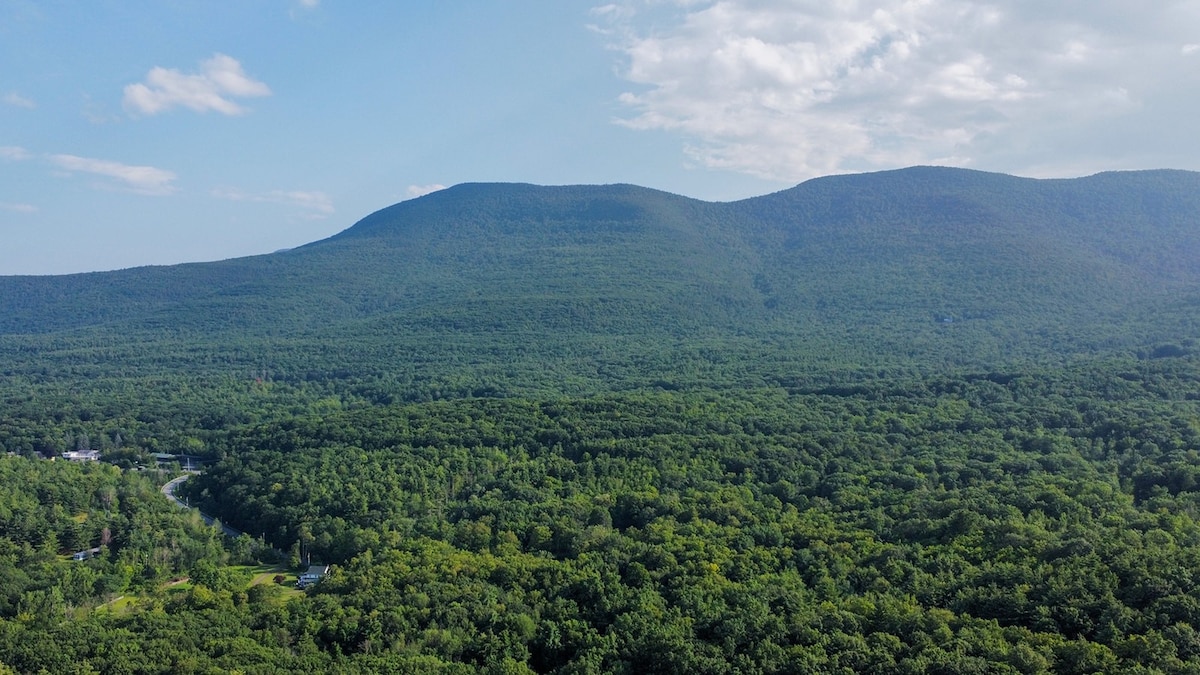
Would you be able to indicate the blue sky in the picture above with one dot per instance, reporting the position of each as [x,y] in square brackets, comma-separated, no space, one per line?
[135,133]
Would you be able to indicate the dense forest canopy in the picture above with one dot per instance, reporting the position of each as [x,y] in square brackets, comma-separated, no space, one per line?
[517,288]
[920,421]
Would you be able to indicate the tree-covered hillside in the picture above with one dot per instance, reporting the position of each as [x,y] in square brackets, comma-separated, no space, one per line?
[523,288]
[921,421]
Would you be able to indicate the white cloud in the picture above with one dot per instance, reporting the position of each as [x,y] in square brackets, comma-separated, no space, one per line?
[14,99]
[14,153]
[18,208]
[146,180]
[220,80]
[312,203]
[415,191]
[303,7]
[790,89]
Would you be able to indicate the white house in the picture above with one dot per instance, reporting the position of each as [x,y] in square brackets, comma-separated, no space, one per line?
[314,574]
[85,555]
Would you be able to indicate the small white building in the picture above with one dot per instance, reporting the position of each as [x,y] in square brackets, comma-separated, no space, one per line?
[86,555]
[81,455]
[314,574]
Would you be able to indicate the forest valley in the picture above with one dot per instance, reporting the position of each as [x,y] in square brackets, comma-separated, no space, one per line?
[998,522]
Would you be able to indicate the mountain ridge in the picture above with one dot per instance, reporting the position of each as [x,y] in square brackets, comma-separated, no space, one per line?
[928,265]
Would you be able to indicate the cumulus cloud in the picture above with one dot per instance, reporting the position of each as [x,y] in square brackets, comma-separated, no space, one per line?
[790,89]
[146,180]
[16,100]
[313,204]
[18,208]
[14,153]
[415,191]
[219,81]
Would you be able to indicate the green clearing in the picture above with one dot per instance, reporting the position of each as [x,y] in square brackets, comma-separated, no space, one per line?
[180,589]
[265,574]
[121,605]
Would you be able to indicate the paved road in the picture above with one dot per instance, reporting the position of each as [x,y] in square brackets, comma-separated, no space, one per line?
[169,491]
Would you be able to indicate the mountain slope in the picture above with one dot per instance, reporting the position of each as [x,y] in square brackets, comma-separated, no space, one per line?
[922,267]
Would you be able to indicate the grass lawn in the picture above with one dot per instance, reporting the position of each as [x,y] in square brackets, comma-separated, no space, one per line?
[257,574]
[265,574]
[120,605]
[174,588]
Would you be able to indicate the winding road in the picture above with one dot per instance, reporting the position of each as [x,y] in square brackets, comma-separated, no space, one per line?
[169,490]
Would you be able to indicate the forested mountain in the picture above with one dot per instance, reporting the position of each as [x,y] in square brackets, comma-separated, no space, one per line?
[919,421]
[549,287]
